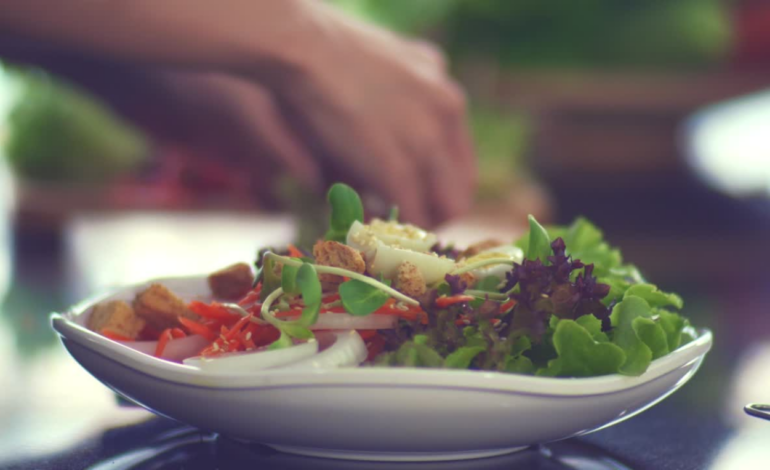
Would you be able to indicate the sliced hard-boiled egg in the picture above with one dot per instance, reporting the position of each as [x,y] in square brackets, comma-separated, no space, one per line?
[365,237]
[386,260]
[508,252]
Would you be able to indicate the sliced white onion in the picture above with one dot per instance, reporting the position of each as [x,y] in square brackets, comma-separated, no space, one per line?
[176,349]
[246,362]
[345,321]
[348,349]
[387,259]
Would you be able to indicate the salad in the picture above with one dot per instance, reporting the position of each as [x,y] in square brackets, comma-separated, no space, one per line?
[558,302]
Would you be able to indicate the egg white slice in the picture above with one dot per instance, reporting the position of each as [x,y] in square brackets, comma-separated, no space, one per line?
[387,259]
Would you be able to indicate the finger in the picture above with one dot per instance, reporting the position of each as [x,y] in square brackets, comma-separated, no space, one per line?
[457,137]
[460,145]
[266,124]
[443,183]
[431,52]
[397,179]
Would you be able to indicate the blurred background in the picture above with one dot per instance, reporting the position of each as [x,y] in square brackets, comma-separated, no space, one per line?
[649,118]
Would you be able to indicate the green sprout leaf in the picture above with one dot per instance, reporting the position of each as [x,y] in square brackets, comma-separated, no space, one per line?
[296,329]
[283,341]
[360,298]
[539,242]
[346,208]
[270,280]
[310,287]
[289,279]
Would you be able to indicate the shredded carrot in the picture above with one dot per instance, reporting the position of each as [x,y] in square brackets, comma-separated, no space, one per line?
[177,333]
[444,301]
[165,337]
[114,336]
[294,252]
[237,328]
[198,329]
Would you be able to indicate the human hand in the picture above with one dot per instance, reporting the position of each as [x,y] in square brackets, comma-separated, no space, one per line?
[382,113]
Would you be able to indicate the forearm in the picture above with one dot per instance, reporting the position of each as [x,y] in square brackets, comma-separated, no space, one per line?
[242,36]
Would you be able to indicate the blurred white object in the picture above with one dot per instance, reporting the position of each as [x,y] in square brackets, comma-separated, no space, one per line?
[108,250]
[728,145]
[6,214]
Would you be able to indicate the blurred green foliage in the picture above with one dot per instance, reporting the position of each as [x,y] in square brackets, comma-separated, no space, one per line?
[500,138]
[57,132]
[590,33]
[563,33]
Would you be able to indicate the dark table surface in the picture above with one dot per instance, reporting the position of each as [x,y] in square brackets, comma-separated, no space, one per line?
[53,415]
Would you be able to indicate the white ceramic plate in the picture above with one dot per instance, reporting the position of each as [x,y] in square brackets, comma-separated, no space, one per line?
[373,413]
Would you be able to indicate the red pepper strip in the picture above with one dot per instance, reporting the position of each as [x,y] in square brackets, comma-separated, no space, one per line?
[196,328]
[212,350]
[237,328]
[214,311]
[444,301]
[288,313]
[114,336]
[294,251]
[251,297]
[177,333]
[165,337]
[264,335]
[367,334]
[507,306]
[410,314]
[246,337]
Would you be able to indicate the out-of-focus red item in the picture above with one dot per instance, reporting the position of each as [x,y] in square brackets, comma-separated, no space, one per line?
[751,19]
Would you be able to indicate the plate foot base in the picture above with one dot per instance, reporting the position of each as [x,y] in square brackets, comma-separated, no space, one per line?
[394,456]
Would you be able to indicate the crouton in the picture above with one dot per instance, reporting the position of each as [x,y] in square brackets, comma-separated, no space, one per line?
[469,279]
[159,307]
[478,247]
[409,280]
[232,282]
[116,316]
[331,253]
